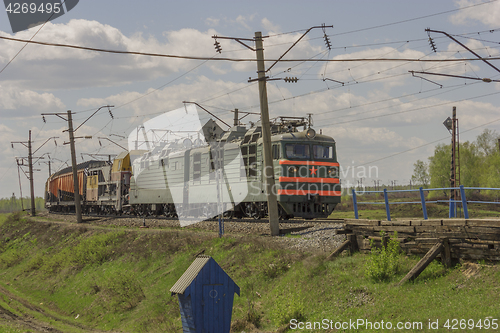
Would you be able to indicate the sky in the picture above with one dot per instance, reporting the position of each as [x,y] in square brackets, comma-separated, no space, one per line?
[382,117]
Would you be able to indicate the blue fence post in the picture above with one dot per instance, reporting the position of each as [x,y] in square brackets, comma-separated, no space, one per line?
[452,207]
[387,210]
[422,198]
[464,201]
[355,204]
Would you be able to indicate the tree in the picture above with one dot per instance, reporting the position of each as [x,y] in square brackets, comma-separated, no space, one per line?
[487,142]
[420,174]
[479,163]
[440,167]
[470,165]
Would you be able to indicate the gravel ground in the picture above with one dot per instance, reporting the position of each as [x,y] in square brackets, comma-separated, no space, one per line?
[304,236]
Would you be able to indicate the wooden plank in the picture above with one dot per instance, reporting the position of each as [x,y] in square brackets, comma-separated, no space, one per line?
[343,231]
[432,240]
[408,244]
[478,241]
[353,243]
[396,223]
[484,223]
[483,230]
[474,246]
[426,222]
[361,222]
[391,229]
[455,222]
[339,250]
[439,229]
[475,251]
[380,239]
[362,243]
[445,254]
[422,264]
[462,235]
[468,256]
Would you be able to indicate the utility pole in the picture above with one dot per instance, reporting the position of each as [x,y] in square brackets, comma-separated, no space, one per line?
[78,205]
[30,172]
[455,164]
[32,187]
[76,187]
[272,201]
[20,188]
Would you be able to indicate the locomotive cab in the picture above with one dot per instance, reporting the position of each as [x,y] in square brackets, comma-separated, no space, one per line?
[309,184]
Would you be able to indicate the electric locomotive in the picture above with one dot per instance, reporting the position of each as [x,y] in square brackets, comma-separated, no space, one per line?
[181,178]
[186,178]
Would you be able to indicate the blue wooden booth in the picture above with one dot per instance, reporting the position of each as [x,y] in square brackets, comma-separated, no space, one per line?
[206,295]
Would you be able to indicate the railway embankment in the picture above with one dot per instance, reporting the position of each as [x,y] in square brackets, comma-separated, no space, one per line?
[110,275]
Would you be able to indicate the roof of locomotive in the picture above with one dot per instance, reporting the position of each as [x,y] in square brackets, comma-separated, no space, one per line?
[300,136]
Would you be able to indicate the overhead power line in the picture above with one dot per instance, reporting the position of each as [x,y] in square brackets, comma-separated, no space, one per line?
[414,19]
[427,144]
[237,59]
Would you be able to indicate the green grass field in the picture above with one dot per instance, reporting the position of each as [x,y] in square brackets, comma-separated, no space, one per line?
[77,278]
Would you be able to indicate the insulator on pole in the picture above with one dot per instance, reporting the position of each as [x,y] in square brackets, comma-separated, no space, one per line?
[290,79]
[327,42]
[218,48]
[431,42]
[111,114]
[43,118]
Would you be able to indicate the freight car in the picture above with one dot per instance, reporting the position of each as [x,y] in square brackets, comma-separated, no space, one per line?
[179,178]
[59,188]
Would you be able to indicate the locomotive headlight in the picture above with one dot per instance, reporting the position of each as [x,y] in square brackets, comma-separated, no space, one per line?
[310,134]
[332,172]
[292,170]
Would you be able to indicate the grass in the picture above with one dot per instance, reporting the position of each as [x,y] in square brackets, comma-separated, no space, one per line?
[77,278]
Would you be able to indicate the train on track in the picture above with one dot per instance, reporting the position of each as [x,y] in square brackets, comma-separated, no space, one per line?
[223,172]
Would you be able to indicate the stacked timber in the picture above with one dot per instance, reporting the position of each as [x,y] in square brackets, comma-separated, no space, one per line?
[472,239]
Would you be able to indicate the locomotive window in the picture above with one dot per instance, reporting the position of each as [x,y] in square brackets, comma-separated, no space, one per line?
[276,152]
[323,152]
[196,167]
[255,137]
[297,151]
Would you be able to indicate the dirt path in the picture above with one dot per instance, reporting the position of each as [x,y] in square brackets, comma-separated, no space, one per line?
[29,322]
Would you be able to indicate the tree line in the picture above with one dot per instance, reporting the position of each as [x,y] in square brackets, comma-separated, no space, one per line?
[13,204]
[479,164]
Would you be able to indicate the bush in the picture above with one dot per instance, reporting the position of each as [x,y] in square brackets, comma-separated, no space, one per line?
[383,263]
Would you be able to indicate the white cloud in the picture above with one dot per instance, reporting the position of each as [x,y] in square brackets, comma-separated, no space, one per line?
[245,20]
[170,98]
[269,26]
[19,102]
[63,65]
[487,14]
[212,22]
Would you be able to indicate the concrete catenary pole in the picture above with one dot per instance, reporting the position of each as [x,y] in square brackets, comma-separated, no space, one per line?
[32,186]
[78,207]
[272,202]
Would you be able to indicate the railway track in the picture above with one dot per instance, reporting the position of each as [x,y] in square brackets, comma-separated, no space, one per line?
[307,235]
[89,217]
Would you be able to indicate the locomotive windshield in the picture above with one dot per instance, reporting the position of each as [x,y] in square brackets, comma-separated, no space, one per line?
[295,150]
[323,152]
